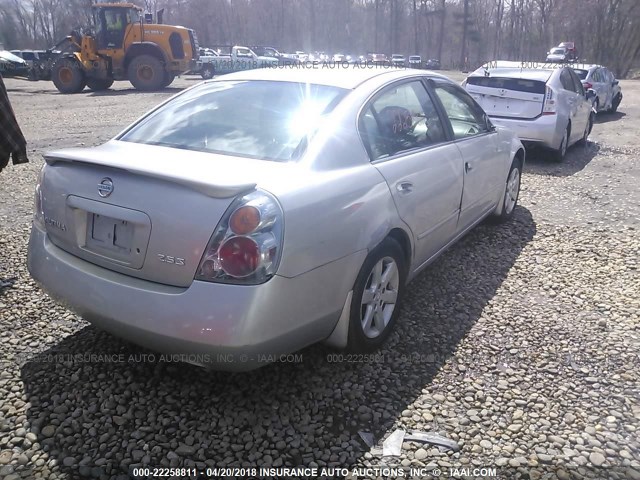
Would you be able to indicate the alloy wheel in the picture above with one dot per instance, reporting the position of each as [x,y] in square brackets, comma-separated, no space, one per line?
[512,190]
[380,297]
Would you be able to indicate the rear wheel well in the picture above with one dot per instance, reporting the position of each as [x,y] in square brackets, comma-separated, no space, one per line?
[402,238]
[143,49]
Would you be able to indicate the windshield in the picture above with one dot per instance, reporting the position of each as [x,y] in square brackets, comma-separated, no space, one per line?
[256,119]
[134,15]
[558,51]
[582,74]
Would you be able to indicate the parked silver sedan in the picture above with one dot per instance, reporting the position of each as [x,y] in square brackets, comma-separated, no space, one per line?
[250,216]
[602,81]
[544,106]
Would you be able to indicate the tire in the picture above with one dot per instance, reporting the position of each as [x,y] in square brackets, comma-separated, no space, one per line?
[560,153]
[168,79]
[511,192]
[208,71]
[587,130]
[68,76]
[146,73]
[615,104]
[99,84]
[596,105]
[368,301]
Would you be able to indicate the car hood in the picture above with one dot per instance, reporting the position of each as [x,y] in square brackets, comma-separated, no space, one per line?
[215,175]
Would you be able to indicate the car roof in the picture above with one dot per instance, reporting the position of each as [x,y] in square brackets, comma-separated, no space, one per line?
[348,78]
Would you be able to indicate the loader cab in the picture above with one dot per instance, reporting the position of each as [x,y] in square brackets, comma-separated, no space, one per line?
[111,24]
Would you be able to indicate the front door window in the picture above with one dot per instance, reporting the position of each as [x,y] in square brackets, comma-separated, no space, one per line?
[113,23]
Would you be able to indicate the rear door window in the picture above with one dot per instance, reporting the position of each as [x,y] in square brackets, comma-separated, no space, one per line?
[401,118]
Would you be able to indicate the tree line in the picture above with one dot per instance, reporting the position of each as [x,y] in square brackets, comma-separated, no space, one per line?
[461,33]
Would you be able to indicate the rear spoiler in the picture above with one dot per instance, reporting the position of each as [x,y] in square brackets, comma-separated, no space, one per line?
[176,176]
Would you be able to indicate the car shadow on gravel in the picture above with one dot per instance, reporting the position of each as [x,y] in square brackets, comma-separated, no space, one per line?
[540,161]
[609,117]
[100,416]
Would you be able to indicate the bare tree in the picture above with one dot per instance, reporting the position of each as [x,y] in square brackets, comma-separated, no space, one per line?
[455,31]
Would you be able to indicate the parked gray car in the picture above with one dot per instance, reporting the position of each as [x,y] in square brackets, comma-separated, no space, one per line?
[250,216]
[415,61]
[558,54]
[604,83]
[544,106]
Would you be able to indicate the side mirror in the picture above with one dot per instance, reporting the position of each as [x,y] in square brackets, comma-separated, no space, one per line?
[591,94]
[490,126]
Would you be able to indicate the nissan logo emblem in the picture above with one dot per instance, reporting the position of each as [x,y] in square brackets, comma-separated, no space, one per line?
[105,187]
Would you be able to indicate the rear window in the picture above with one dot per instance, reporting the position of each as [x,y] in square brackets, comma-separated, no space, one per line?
[256,119]
[514,84]
[582,74]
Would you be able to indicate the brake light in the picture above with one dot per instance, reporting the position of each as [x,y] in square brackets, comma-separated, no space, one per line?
[38,212]
[549,106]
[239,256]
[247,243]
[588,85]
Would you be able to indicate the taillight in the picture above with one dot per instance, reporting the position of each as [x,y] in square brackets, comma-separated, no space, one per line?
[588,85]
[239,256]
[38,212]
[549,106]
[247,243]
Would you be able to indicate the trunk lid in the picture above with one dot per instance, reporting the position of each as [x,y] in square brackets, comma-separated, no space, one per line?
[508,97]
[145,211]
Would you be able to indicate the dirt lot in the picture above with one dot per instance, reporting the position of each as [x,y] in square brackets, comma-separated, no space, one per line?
[521,343]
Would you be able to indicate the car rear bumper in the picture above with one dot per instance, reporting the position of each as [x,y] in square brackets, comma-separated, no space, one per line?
[543,130]
[228,327]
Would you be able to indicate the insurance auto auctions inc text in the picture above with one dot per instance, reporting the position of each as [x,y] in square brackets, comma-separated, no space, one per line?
[356,472]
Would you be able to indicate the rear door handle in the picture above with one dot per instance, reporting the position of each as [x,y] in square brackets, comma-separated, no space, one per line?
[404,187]
[467,167]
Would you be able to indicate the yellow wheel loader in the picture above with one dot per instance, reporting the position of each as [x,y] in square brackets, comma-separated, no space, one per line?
[123,47]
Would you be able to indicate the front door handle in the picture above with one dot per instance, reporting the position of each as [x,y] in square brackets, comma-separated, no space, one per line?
[467,167]
[404,187]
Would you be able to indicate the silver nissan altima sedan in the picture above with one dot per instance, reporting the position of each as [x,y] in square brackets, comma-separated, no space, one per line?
[250,216]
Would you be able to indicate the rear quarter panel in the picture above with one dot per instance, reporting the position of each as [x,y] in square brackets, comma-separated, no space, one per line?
[334,214]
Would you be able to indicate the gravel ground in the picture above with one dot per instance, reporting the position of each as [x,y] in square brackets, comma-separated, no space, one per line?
[521,343]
